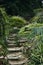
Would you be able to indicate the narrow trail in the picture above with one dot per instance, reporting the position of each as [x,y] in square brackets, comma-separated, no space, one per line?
[15,54]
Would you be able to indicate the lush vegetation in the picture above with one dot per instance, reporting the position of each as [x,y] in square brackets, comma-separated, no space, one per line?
[12,14]
[21,7]
[38,18]
[34,35]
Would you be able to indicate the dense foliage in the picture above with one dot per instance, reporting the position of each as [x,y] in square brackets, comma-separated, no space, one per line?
[21,7]
[33,32]
[38,18]
[34,35]
[17,21]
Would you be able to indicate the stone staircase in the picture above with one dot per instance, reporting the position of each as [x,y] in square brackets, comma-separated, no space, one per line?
[15,54]
[1,56]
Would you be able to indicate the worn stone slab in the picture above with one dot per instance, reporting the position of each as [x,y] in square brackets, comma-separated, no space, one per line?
[18,62]
[1,57]
[15,49]
[8,41]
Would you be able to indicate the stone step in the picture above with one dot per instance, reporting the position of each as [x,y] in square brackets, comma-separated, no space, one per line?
[12,39]
[0,46]
[22,41]
[18,62]
[14,54]
[13,57]
[15,49]
[8,38]
[24,38]
[11,45]
[1,57]
[8,41]
[16,28]
[12,35]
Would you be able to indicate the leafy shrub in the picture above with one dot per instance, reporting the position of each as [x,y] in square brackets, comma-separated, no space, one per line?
[35,29]
[38,18]
[17,21]
[4,20]
[34,35]
[37,51]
